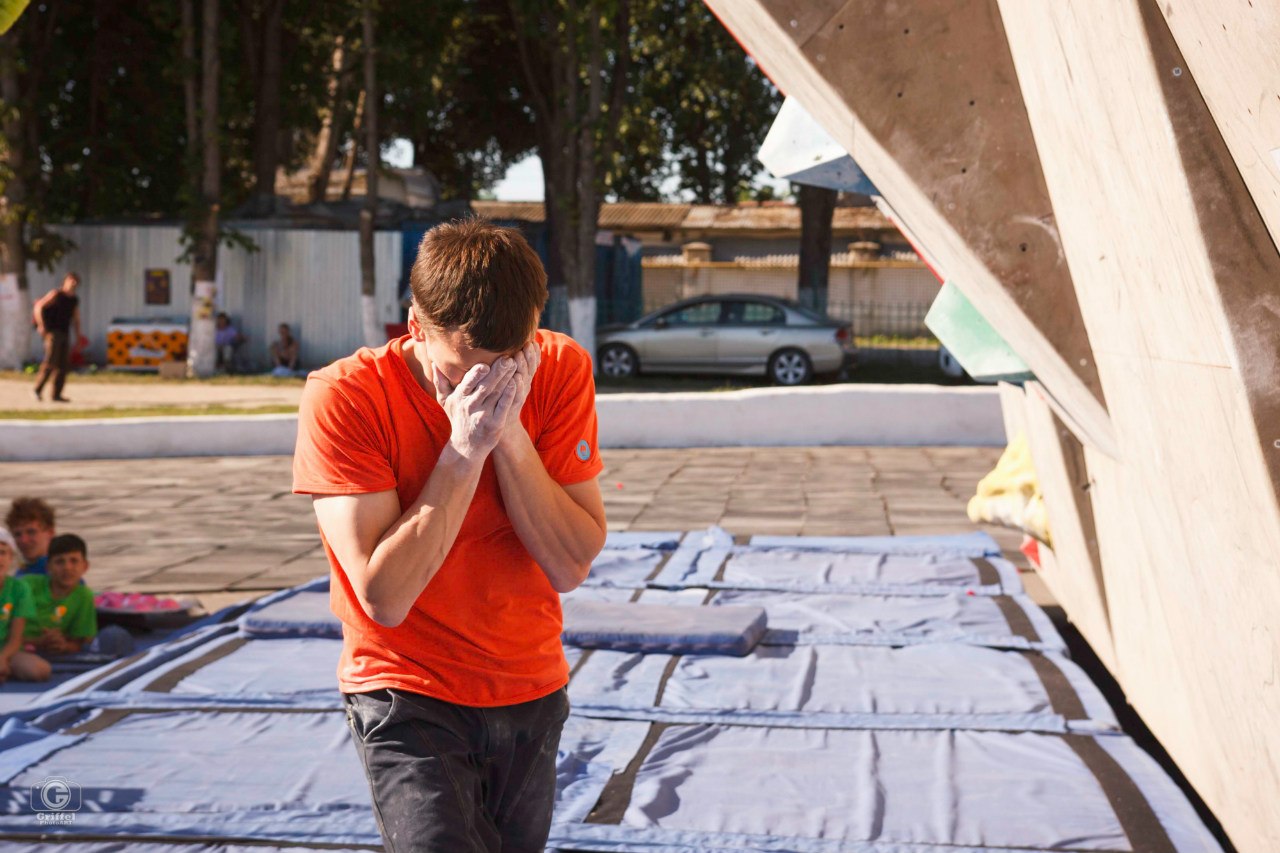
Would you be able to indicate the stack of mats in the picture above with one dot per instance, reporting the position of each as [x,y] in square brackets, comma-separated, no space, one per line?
[906,696]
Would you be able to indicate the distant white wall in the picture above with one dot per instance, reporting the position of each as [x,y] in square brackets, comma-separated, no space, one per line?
[826,414]
[307,278]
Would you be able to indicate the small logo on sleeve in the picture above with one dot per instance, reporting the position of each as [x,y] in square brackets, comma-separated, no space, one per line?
[584,450]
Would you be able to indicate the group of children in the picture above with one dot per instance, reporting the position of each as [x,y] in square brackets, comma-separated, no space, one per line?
[46,609]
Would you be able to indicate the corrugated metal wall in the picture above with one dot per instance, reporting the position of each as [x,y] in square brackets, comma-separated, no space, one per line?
[308,279]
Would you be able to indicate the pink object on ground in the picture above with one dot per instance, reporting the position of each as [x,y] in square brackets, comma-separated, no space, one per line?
[138,602]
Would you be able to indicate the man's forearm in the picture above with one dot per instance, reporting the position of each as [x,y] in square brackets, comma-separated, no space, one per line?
[560,535]
[412,550]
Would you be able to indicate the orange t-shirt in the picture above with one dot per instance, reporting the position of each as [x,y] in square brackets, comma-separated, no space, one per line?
[486,630]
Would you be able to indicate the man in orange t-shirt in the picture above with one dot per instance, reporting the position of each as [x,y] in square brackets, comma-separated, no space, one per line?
[453,475]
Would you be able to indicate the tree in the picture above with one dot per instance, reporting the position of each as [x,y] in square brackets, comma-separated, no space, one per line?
[333,118]
[575,61]
[23,234]
[205,228]
[449,89]
[262,24]
[373,148]
[13,261]
[699,111]
[817,210]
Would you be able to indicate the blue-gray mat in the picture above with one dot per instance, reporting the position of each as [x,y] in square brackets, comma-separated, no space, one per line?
[662,628]
[888,724]
[826,570]
[667,788]
[290,775]
[939,686]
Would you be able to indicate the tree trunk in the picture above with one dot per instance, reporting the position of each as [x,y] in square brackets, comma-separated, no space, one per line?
[557,313]
[576,134]
[331,120]
[349,167]
[190,86]
[15,298]
[266,136]
[373,336]
[201,353]
[817,209]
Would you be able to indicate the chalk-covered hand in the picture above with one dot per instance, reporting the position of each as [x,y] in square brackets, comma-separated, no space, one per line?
[527,361]
[478,406]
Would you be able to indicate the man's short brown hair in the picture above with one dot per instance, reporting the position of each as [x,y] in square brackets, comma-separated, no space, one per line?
[25,510]
[481,279]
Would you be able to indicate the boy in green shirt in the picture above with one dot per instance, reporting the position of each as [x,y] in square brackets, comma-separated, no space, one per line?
[17,609]
[65,620]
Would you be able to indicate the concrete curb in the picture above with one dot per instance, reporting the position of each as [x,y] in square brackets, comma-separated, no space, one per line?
[139,438]
[888,415]
[905,415]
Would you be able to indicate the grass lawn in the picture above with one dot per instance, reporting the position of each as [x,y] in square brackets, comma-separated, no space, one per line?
[52,414]
[129,377]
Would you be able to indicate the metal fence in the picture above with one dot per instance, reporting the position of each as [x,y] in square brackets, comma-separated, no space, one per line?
[886,324]
[875,323]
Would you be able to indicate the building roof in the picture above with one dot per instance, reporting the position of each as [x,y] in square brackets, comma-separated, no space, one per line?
[750,216]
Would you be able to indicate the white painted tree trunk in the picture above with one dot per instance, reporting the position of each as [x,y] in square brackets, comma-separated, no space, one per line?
[202,355]
[582,324]
[15,323]
[374,334]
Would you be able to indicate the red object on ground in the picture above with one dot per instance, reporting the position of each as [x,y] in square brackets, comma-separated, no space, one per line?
[78,350]
[1031,547]
[396,330]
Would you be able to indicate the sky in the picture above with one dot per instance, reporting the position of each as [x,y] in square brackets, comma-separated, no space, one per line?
[523,181]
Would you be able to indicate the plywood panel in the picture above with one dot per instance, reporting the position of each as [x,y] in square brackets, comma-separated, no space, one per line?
[1244,259]
[1231,51]
[1187,523]
[923,94]
[1012,408]
[1075,576]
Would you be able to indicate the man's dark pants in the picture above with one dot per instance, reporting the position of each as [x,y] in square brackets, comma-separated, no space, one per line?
[457,779]
[57,360]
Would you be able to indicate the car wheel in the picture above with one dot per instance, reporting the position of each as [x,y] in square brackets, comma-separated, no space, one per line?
[618,361]
[790,367]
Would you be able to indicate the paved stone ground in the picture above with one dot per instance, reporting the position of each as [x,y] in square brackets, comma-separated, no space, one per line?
[228,528]
[224,530]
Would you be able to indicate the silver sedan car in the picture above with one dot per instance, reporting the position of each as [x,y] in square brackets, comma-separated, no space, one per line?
[733,334]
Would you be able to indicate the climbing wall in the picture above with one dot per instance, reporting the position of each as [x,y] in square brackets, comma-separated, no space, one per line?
[1101,179]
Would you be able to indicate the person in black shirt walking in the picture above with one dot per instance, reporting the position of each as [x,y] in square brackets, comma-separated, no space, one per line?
[56,313]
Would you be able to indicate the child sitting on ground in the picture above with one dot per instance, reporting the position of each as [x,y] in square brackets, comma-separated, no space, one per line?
[16,610]
[65,619]
[31,521]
